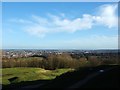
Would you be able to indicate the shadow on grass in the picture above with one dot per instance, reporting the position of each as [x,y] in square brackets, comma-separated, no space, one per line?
[70,78]
[20,85]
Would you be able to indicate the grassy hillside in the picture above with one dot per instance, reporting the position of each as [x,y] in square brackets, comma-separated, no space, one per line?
[29,74]
[68,79]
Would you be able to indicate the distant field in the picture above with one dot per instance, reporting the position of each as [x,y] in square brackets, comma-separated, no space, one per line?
[30,74]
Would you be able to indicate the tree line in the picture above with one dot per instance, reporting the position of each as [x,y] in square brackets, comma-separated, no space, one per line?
[53,62]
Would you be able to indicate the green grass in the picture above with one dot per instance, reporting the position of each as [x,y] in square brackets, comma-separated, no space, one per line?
[30,74]
[70,78]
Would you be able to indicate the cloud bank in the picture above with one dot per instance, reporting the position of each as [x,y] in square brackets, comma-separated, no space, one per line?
[41,26]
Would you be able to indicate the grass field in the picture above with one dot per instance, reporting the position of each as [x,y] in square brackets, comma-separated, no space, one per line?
[68,79]
[29,74]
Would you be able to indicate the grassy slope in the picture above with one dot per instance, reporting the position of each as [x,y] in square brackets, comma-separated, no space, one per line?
[30,74]
[70,78]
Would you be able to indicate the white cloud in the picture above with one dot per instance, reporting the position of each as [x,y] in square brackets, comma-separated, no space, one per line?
[107,15]
[55,24]
[40,26]
[37,31]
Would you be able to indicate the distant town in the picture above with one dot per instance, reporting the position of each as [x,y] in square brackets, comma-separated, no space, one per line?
[15,53]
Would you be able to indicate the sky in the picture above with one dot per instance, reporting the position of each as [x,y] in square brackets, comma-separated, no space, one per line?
[60,0]
[60,25]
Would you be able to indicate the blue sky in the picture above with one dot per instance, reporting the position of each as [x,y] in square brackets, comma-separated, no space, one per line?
[60,25]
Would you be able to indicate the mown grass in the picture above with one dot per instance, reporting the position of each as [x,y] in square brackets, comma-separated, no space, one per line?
[30,74]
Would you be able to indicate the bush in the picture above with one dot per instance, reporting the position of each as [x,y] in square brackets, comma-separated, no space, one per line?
[94,61]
